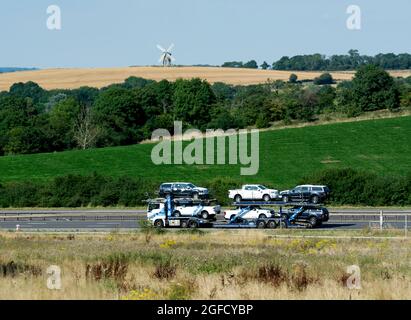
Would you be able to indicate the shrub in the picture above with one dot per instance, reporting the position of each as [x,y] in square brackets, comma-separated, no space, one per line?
[325,78]
[354,187]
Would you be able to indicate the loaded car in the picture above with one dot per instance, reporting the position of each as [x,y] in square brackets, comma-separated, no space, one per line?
[313,216]
[182,189]
[311,193]
[185,209]
[253,212]
[205,212]
[253,192]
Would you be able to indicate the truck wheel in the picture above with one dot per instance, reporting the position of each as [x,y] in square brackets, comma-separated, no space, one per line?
[193,224]
[262,216]
[313,222]
[266,198]
[261,225]
[159,224]
[283,224]
[272,224]
[177,214]
[285,199]
[315,199]
[184,224]
[238,198]
[204,215]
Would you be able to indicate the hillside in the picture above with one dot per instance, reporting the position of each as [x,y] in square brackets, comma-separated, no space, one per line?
[74,78]
[381,146]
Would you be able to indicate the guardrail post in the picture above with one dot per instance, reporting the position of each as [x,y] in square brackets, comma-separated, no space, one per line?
[406,225]
[381,220]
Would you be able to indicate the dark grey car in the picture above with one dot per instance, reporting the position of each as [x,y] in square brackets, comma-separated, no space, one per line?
[306,193]
[183,189]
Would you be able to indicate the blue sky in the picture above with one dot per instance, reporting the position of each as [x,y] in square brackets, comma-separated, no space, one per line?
[107,33]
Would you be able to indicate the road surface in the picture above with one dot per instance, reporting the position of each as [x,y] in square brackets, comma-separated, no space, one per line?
[115,219]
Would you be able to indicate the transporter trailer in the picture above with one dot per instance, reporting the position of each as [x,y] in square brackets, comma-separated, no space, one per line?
[299,215]
[294,214]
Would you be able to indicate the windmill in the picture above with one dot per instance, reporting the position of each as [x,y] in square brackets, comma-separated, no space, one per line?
[166,57]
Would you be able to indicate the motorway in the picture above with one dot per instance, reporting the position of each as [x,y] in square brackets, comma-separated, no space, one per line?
[117,219]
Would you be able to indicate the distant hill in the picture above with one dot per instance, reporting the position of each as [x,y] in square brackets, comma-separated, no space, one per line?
[379,146]
[7,69]
[101,77]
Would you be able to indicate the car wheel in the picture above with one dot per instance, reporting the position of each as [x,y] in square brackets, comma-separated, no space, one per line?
[261,225]
[184,224]
[159,224]
[313,222]
[177,214]
[285,199]
[204,215]
[238,198]
[315,199]
[272,224]
[266,198]
[262,216]
[193,224]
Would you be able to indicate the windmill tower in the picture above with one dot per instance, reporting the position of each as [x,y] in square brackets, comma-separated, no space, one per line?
[166,57]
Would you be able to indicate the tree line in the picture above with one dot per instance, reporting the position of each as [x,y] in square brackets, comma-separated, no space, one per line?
[319,62]
[34,120]
[348,187]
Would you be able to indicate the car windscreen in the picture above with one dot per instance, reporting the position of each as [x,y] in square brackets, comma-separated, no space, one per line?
[153,206]
[262,187]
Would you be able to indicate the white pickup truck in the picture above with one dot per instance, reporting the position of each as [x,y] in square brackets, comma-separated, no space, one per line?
[253,192]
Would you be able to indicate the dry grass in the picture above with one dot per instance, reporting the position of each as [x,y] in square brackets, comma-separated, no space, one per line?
[216,265]
[100,77]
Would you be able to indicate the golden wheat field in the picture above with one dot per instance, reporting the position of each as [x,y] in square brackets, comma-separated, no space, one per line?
[100,77]
[148,265]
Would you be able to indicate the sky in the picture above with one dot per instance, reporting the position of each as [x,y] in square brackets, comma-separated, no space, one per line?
[115,33]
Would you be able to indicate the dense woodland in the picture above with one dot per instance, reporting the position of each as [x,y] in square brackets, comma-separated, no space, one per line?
[319,62]
[34,120]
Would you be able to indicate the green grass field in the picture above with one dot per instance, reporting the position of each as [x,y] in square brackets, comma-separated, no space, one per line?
[381,146]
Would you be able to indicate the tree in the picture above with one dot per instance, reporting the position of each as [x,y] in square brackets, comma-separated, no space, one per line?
[325,78]
[192,100]
[223,91]
[28,90]
[61,119]
[136,82]
[120,115]
[374,89]
[232,64]
[293,78]
[344,100]
[265,65]
[156,98]
[86,132]
[252,64]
